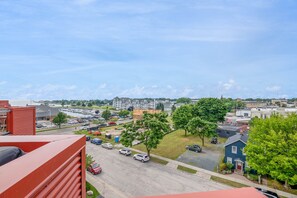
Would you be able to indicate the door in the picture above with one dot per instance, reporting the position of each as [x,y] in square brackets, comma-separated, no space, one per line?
[239,166]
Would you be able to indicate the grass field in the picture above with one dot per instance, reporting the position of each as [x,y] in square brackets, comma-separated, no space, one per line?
[227,182]
[186,169]
[159,161]
[173,144]
[92,188]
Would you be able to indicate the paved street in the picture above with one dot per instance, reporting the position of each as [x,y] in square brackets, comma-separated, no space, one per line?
[124,176]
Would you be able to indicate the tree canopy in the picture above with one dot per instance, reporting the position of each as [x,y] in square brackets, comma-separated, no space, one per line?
[106,114]
[124,113]
[150,131]
[184,100]
[182,116]
[271,148]
[210,109]
[202,128]
[160,106]
[60,119]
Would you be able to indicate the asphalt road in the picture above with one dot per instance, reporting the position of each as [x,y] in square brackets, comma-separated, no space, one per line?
[124,177]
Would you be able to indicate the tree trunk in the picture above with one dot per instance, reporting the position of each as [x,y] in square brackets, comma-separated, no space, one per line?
[286,184]
[59,126]
[148,152]
[259,179]
[202,141]
[186,133]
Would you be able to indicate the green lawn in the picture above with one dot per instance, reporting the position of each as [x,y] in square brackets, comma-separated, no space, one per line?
[186,169]
[159,161]
[92,188]
[227,182]
[173,144]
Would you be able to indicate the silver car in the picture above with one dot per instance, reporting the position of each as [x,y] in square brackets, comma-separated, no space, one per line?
[141,157]
[125,151]
[107,145]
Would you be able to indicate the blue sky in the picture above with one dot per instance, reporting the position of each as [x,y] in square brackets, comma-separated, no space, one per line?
[90,49]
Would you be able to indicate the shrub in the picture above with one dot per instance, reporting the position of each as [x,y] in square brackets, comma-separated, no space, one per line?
[223,166]
[229,166]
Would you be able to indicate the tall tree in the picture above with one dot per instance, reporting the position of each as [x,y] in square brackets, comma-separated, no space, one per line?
[202,128]
[150,131]
[210,109]
[181,117]
[124,113]
[60,119]
[184,100]
[106,114]
[173,108]
[271,148]
[160,106]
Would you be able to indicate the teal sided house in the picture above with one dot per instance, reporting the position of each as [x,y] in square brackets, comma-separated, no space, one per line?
[234,152]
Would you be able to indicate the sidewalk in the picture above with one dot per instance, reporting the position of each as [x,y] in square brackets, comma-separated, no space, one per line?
[203,173]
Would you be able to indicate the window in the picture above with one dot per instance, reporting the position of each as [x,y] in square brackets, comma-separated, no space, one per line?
[234,149]
[229,160]
[243,153]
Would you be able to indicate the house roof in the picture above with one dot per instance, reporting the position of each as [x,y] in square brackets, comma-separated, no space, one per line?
[229,128]
[237,137]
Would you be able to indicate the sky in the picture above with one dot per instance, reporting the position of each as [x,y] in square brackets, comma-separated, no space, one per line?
[97,49]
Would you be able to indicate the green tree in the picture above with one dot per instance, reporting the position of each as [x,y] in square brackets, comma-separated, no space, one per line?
[182,116]
[271,148]
[184,100]
[210,109]
[150,131]
[63,103]
[106,114]
[124,113]
[60,119]
[90,104]
[89,160]
[78,103]
[202,128]
[160,106]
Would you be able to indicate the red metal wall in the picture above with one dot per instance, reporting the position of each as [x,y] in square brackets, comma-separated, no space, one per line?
[56,168]
[21,120]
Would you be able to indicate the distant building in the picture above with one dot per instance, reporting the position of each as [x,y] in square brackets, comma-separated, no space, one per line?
[255,104]
[280,102]
[44,112]
[234,151]
[243,113]
[267,112]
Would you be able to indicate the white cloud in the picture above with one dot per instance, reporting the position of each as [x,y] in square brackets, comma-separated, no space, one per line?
[3,82]
[229,85]
[186,91]
[273,88]
[102,86]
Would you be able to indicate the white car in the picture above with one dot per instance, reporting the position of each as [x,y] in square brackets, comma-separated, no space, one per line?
[141,157]
[125,151]
[107,145]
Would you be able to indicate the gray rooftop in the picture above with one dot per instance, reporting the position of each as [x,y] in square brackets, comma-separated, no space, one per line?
[238,136]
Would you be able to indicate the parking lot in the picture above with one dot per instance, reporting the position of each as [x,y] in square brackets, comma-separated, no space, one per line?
[122,176]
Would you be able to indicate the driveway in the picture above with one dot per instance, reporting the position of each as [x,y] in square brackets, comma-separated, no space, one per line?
[124,177]
[207,159]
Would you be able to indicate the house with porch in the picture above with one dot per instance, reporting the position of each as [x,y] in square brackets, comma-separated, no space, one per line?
[234,151]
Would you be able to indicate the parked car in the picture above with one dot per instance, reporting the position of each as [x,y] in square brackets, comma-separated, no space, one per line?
[194,147]
[214,140]
[102,125]
[268,193]
[112,123]
[94,168]
[107,145]
[141,157]
[39,126]
[96,141]
[88,138]
[125,151]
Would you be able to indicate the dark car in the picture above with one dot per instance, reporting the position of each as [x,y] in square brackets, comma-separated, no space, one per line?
[94,168]
[112,124]
[88,138]
[194,147]
[214,140]
[268,193]
[96,141]
[102,125]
